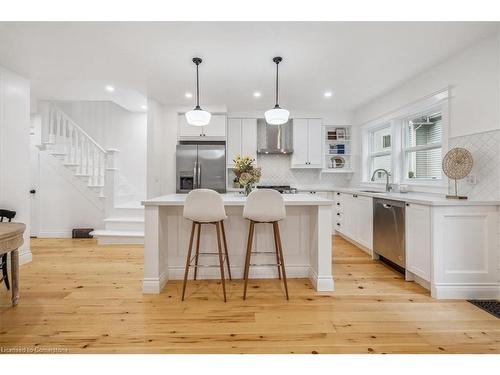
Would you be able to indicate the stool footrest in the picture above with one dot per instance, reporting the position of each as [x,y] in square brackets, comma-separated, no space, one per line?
[264,252]
[265,264]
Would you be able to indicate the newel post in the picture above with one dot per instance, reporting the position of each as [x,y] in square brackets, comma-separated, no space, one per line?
[112,180]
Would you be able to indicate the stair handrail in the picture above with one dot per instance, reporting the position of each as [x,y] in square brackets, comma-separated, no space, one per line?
[75,125]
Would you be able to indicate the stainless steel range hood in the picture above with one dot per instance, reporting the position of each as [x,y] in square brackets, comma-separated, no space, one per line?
[274,139]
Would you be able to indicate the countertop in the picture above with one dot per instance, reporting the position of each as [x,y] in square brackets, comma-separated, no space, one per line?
[236,199]
[417,198]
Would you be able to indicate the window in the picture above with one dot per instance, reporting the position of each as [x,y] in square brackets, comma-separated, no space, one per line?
[423,147]
[380,152]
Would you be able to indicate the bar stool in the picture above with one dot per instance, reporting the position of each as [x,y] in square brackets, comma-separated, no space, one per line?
[265,206]
[205,206]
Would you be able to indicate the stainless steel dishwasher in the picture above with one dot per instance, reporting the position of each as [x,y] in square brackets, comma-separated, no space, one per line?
[389,230]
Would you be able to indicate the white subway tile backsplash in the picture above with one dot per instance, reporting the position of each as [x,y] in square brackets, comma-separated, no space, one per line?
[485,149]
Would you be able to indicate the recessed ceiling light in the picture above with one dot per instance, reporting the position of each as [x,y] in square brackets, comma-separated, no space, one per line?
[188,95]
[257,94]
[144,106]
[110,88]
[328,94]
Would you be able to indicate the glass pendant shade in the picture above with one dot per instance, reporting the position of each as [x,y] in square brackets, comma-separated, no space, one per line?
[277,116]
[198,117]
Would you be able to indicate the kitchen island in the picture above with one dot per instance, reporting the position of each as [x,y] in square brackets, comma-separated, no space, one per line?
[306,236]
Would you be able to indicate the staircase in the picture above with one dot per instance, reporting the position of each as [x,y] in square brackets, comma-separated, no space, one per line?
[97,175]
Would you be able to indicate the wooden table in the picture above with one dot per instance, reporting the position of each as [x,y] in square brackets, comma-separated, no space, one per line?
[11,238]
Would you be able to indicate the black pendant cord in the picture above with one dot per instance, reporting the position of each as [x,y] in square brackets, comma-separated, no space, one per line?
[197,61]
[197,88]
[277,60]
[277,86]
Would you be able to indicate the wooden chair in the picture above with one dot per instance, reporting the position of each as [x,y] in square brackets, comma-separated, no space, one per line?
[9,215]
[265,206]
[205,206]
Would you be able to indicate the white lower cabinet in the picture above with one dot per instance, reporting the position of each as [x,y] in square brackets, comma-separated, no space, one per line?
[418,240]
[353,217]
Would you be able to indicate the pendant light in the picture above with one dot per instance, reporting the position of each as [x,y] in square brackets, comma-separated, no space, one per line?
[197,116]
[277,115]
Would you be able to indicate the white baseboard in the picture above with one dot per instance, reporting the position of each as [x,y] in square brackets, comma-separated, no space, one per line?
[152,285]
[55,234]
[357,244]
[470,291]
[25,257]
[321,284]
[256,272]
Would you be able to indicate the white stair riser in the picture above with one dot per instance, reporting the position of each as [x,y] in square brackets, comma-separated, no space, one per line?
[123,225]
[128,212]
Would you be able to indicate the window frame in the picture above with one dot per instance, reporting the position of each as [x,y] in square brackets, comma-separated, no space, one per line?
[437,102]
[371,155]
[405,149]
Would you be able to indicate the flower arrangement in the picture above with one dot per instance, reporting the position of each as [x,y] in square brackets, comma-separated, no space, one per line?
[246,172]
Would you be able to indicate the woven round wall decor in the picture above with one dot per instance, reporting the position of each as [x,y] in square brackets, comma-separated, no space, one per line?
[457,163]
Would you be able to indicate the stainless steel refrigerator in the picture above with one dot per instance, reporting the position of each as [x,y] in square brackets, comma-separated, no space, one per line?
[201,165]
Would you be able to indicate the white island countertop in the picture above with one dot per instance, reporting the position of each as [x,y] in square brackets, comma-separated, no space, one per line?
[237,199]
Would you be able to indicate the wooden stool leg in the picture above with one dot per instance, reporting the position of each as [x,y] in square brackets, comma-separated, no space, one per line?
[225,249]
[277,251]
[186,271]
[221,260]
[247,259]
[281,257]
[197,251]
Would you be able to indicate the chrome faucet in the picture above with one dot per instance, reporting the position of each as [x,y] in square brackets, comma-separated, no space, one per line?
[388,187]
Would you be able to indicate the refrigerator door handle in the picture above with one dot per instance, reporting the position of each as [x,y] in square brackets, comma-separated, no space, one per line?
[195,174]
[199,175]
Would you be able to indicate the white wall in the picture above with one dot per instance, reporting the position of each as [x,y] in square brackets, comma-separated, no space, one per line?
[162,141]
[473,77]
[14,151]
[61,204]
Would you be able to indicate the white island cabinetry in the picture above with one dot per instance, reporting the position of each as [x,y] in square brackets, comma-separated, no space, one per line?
[306,236]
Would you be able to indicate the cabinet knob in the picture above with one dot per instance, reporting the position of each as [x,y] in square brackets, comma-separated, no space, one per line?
[338,204]
[338,224]
[338,193]
[407,205]
[354,196]
[338,213]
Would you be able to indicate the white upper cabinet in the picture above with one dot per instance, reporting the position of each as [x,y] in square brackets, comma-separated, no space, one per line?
[241,138]
[249,137]
[418,240]
[307,143]
[216,128]
[315,143]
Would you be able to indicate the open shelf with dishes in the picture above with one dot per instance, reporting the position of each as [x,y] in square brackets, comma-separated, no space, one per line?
[338,156]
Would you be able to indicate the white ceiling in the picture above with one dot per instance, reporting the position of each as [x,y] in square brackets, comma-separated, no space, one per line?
[356,60]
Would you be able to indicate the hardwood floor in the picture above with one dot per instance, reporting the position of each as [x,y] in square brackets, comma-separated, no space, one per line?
[77,297]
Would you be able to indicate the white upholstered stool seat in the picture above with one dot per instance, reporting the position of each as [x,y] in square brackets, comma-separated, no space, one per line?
[265,206]
[202,207]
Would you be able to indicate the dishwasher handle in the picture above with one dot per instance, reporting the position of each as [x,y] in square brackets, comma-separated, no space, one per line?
[386,205]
